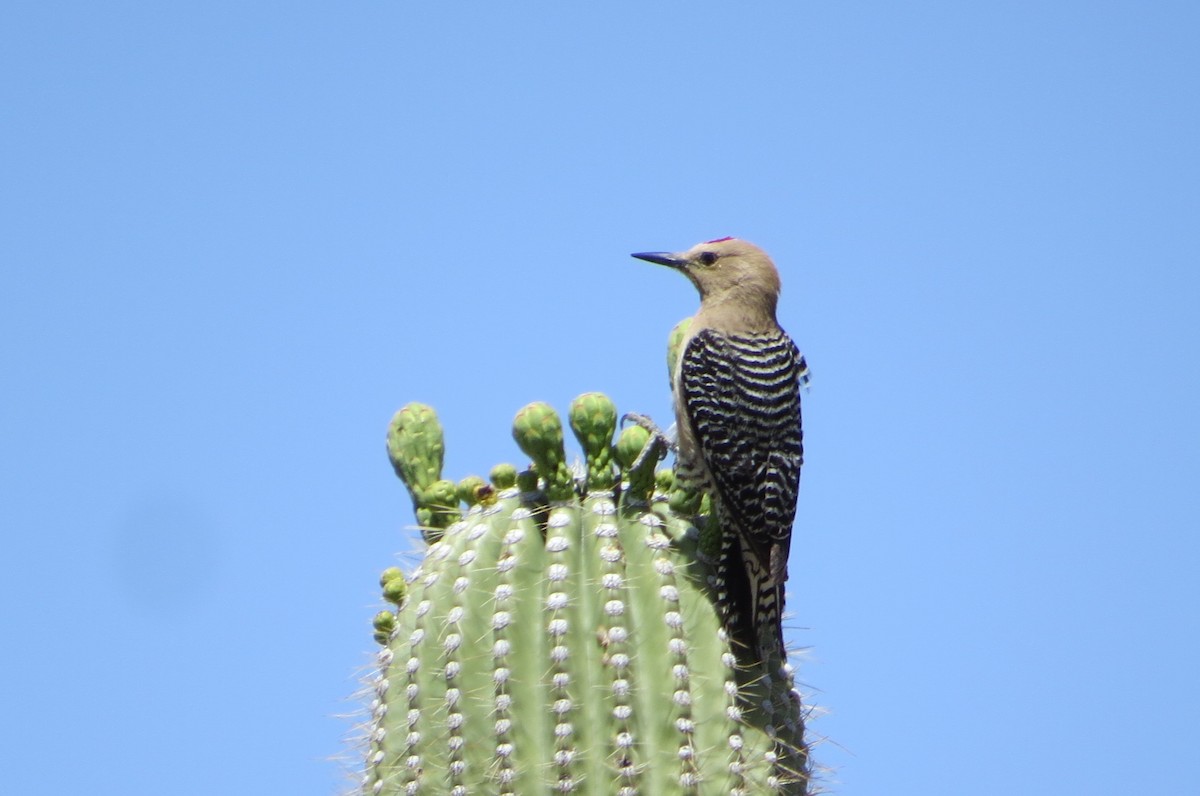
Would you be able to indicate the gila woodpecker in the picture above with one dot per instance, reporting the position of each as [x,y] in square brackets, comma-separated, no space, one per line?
[737,410]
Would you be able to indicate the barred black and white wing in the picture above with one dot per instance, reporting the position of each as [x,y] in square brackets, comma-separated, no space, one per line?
[742,399]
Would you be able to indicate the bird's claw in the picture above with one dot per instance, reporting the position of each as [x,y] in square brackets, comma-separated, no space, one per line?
[657,437]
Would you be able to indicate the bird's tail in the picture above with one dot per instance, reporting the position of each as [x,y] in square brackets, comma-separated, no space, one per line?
[752,601]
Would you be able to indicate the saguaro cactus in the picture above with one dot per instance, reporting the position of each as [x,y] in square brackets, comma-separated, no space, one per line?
[561,634]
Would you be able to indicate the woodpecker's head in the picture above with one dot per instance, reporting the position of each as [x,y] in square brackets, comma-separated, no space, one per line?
[726,270]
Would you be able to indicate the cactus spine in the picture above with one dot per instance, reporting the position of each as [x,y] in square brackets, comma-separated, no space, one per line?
[560,635]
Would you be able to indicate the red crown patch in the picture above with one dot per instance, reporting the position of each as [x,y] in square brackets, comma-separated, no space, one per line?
[720,240]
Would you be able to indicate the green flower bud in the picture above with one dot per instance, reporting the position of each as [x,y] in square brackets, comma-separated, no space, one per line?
[391,573]
[594,420]
[395,591]
[674,343]
[470,490]
[415,446]
[539,433]
[503,476]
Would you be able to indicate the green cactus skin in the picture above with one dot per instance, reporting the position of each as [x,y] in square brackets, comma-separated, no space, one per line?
[562,637]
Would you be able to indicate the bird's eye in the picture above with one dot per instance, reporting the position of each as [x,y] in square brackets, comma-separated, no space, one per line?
[708,258]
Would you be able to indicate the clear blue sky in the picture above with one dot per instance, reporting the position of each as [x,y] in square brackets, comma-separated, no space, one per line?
[237,236]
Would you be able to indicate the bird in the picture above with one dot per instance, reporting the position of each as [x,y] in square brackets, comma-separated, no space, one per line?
[736,394]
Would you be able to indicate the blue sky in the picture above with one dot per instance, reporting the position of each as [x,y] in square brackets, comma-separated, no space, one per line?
[237,236]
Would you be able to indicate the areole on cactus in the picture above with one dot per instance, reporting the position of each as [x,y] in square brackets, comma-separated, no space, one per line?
[561,634]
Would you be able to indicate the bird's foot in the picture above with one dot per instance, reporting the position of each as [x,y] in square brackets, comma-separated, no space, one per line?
[657,435]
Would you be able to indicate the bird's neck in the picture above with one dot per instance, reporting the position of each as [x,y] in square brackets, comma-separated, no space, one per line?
[743,315]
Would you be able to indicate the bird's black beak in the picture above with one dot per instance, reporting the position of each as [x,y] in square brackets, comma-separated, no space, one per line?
[661,258]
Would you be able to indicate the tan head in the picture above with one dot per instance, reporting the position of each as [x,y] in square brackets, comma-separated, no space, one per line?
[726,271]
